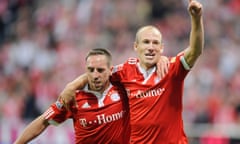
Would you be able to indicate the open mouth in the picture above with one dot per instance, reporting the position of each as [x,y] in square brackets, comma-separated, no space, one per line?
[150,55]
[96,82]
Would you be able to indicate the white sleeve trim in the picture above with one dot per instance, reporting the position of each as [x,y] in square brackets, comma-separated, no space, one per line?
[184,63]
[53,122]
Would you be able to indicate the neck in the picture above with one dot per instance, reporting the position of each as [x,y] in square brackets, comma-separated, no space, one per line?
[146,67]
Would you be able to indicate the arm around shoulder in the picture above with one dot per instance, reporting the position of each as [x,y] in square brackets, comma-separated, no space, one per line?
[68,93]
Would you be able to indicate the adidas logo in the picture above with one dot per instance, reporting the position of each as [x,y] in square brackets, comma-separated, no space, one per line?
[86,105]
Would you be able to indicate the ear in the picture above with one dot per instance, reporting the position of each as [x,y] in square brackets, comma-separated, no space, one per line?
[161,51]
[135,46]
[162,48]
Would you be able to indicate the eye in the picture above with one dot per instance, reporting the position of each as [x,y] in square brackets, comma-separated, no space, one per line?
[90,69]
[156,42]
[100,70]
[146,41]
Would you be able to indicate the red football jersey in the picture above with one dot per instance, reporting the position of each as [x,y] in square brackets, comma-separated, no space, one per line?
[155,105]
[98,118]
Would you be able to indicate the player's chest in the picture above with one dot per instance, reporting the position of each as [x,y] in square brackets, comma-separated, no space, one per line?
[94,116]
[145,93]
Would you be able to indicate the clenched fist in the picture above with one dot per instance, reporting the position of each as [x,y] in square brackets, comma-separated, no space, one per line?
[195,8]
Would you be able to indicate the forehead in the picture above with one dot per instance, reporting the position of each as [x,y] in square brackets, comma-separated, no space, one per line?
[96,61]
[149,33]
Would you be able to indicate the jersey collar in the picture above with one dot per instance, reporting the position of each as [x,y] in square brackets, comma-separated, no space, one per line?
[97,94]
[146,73]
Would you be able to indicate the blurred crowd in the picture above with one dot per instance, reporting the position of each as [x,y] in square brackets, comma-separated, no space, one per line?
[43,45]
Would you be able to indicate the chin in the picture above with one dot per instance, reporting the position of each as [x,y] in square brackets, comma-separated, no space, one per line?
[151,62]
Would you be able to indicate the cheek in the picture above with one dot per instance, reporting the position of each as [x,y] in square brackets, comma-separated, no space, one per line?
[107,75]
[90,76]
[160,49]
[104,78]
[140,52]
[140,47]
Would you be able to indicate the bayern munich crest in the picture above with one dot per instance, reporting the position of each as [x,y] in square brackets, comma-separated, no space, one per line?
[115,97]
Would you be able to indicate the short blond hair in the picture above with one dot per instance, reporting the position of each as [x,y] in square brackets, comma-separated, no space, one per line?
[145,28]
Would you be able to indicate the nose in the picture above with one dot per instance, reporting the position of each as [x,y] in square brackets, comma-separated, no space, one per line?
[151,46]
[95,74]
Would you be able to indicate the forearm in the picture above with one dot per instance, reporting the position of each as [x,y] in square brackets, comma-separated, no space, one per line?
[34,129]
[197,36]
[196,39]
[78,83]
[68,93]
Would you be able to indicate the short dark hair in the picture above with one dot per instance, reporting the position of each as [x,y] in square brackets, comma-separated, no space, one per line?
[100,51]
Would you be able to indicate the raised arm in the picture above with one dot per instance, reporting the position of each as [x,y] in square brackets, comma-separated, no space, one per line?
[196,41]
[35,128]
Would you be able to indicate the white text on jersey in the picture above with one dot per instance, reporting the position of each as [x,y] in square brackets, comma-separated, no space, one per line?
[150,93]
[102,119]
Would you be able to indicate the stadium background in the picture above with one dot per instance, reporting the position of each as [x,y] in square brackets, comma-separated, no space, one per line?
[43,44]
